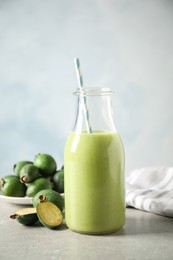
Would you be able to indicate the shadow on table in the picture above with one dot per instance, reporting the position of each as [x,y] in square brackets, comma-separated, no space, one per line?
[39,225]
[137,222]
[141,222]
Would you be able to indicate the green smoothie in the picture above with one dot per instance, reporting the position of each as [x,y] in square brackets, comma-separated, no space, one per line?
[94,182]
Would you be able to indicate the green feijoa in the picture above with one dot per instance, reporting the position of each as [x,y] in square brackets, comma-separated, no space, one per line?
[38,185]
[18,166]
[25,216]
[29,173]
[49,214]
[58,181]
[11,186]
[49,195]
[46,164]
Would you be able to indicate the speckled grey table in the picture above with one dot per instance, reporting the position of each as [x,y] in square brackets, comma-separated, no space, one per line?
[145,236]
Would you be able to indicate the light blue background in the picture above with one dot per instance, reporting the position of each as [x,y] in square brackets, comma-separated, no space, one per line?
[126,45]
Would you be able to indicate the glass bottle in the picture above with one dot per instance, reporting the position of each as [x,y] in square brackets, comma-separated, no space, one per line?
[94,167]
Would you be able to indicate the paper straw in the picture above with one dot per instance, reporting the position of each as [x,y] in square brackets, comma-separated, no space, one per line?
[80,83]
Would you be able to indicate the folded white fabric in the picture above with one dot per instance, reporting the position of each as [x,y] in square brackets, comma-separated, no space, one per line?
[151,189]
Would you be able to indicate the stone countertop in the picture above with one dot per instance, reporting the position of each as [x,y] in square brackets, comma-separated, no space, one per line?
[145,236]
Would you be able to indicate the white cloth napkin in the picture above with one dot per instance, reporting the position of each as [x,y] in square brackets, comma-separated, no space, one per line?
[151,189]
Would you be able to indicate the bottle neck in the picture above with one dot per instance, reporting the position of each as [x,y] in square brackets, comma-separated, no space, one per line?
[94,110]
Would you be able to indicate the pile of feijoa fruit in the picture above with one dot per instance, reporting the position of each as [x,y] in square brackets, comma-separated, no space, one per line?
[30,177]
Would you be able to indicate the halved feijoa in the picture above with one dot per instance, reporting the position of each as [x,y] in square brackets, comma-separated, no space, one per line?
[25,216]
[49,214]
[49,195]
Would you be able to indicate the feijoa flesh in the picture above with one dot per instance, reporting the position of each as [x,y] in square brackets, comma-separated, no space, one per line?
[25,216]
[49,214]
[49,195]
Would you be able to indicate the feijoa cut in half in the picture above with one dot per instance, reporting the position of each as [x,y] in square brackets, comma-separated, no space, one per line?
[49,214]
[49,195]
[25,216]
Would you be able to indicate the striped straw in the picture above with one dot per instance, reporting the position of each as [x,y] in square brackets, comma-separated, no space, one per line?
[80,83]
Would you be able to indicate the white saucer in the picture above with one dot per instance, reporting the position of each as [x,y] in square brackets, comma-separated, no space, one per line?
[17,200]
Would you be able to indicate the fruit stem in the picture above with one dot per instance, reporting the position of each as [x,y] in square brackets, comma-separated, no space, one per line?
[2,182]
[24,179]
[14,216]
[42,198]
[14,166]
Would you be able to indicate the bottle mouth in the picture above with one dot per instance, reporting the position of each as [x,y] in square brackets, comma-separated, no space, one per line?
[93,91]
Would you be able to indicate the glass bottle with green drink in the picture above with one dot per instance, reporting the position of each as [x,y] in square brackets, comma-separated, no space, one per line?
[94,167]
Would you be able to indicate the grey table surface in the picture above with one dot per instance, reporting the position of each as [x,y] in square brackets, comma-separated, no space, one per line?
[145,236]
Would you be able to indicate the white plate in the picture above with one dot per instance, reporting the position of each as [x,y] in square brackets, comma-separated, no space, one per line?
[17,200]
